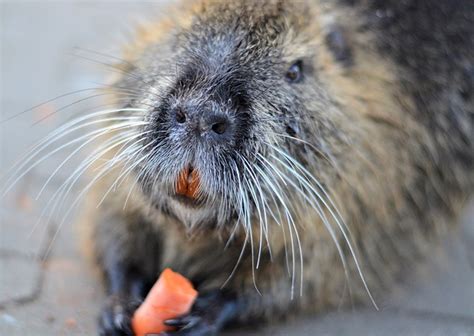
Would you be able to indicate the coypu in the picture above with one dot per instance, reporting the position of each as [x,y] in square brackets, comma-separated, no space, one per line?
[286,156]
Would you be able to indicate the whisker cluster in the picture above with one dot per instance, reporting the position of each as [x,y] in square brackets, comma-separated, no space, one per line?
[121,130]
[268,184]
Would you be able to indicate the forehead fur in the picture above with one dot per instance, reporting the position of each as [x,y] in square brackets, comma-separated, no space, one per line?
[267,23]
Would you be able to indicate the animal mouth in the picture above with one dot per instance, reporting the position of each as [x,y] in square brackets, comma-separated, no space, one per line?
[187,186]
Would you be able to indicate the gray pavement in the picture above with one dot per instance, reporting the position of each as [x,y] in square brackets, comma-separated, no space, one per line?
[47,287]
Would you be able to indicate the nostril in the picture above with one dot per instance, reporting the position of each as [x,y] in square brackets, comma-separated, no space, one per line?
[220,127]
[180,115]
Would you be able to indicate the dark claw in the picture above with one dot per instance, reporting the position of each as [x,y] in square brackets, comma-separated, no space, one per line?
[176,323]
[184,322]
[198,329]
[210,313]
[116,316]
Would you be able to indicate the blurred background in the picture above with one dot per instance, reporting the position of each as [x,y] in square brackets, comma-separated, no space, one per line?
[46,286]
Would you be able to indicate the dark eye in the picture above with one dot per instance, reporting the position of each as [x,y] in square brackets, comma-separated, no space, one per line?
[295,72]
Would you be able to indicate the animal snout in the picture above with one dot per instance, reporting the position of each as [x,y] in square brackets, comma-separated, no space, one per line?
[206,123]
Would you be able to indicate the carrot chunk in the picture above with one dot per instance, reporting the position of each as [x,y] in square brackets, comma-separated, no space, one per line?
[171,296]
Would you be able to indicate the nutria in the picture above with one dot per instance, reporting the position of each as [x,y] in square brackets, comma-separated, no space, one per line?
[286,156]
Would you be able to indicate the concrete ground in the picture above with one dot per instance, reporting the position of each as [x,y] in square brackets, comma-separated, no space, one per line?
[46,286]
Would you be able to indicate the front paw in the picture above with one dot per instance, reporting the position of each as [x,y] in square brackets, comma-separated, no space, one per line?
[116,316]
[210,313]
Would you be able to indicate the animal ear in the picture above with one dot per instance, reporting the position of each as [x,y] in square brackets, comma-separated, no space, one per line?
[339,45]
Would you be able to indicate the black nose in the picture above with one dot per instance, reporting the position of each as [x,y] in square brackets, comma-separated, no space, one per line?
[206,123]
[217,124]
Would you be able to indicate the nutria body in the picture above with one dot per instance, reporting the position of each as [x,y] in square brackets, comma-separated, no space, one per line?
[333,140]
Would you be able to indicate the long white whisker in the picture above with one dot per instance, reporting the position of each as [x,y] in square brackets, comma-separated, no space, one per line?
[96,136]
[49,101]
[84,168]
[64,190]
[310,199]
[308,174]
[12,184]
[276,189]
[59,133]
[316,149]
[341,226]
[59,191]
[291,228]
[135,164]
[261,213]
[266,208]
[62,108]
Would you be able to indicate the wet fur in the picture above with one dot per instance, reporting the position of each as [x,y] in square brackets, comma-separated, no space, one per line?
[391,126]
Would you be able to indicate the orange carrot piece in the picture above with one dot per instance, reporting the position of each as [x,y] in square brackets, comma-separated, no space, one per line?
[171,296]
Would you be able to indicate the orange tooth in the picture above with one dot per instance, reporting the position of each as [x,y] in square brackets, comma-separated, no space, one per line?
[182,183]
[188,183]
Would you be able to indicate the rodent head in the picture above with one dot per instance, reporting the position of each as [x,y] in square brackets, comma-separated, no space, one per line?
[234,98]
